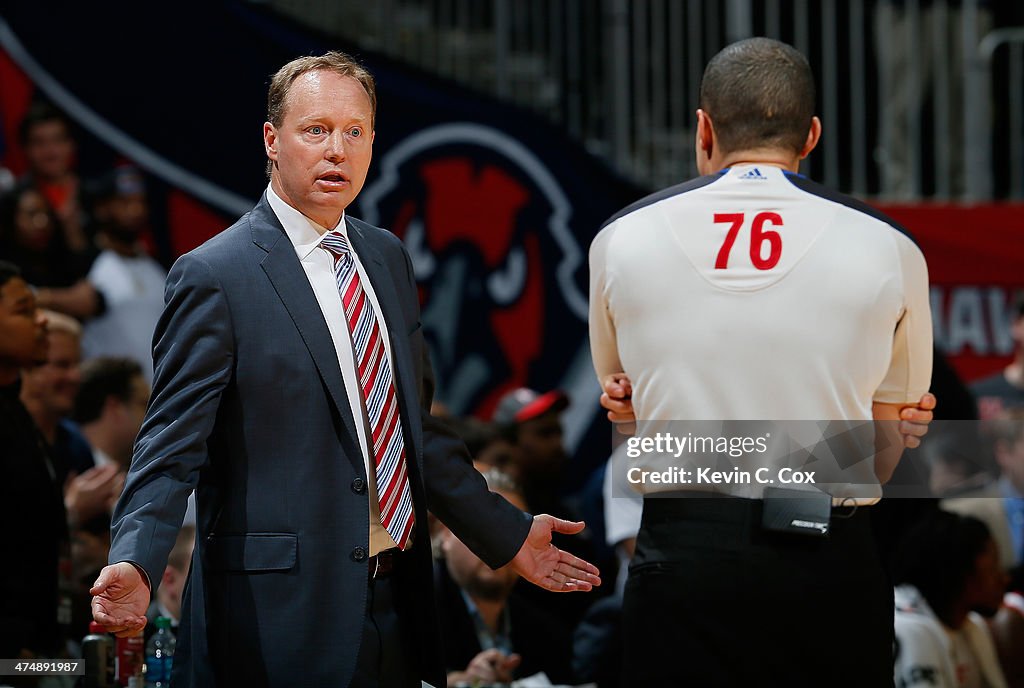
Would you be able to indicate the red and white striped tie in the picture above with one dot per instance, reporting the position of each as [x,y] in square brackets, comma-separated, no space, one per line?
[393,492]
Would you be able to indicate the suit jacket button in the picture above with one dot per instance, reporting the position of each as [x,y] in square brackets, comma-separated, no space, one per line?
[359,554]
[359,486]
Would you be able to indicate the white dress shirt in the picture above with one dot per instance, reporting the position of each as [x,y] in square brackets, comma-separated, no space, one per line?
[318,264]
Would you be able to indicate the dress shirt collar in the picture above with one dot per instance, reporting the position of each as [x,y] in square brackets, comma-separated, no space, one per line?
[304,234]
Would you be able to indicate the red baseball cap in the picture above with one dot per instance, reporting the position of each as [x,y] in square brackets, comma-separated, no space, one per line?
[524,404]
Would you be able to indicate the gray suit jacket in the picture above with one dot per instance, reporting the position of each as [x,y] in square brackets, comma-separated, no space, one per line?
[249,408]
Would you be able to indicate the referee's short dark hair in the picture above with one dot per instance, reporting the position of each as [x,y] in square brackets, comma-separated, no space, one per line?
[759,93]
[103,378]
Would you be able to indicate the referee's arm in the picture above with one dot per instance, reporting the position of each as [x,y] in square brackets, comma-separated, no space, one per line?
[910,367]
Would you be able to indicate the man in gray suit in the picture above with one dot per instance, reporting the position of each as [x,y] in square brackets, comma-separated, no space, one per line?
[291,387]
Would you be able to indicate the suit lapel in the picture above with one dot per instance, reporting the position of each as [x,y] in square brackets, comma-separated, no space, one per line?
[285,273]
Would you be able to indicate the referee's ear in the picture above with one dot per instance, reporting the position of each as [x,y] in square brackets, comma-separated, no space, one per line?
[705,144]
[813,134]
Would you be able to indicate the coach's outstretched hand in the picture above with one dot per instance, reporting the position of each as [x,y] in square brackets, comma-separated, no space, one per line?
[543,564]
[120,599]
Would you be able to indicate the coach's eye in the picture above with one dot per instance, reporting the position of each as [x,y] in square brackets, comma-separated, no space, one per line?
[506,283]
[355,132]
[423,261]
[316,131]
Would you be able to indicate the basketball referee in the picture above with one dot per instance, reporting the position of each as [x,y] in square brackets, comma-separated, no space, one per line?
[753,293]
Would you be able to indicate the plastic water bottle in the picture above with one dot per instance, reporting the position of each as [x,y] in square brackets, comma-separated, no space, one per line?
[159,655]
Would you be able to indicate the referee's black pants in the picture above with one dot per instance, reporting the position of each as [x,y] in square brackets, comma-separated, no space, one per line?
[714,600]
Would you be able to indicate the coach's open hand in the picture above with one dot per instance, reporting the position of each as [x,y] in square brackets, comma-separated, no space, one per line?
[120,599]
[543,564]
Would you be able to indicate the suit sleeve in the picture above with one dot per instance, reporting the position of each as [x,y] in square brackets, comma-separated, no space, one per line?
[193,359]
[456,492]
[910,370]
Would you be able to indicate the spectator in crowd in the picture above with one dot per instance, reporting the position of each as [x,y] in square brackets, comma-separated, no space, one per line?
[947,575]
[958,463]
[1005,389]
[90,544]
[51,152]
[533,421]
[131,281]
[32,520]
[110,406]
[487,444]
[1000,503]
[167,601]
[48,391]
[492,633]
[1008,630]
[30,237]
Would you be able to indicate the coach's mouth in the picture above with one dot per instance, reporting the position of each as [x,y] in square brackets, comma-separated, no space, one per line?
[332,181]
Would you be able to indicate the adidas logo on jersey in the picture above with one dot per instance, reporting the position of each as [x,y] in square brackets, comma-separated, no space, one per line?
[753,174]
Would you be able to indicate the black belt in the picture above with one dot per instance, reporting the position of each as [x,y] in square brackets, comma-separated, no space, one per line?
[384,563]
[717,506]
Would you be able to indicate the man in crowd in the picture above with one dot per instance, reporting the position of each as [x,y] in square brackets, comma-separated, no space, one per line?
[1000,503]
[491,633]
[32,518]
[48,391]
[1005,390]
[50,150]
[131,281]
[167,601]
[109,408]
[948,578]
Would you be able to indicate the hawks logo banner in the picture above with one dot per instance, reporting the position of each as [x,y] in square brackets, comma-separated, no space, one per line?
[502,275]
[974,255]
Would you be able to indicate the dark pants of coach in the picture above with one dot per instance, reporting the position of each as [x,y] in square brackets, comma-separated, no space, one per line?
[714,600]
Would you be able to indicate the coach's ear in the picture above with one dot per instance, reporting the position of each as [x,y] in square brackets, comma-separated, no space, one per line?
[813,134]
[270,140]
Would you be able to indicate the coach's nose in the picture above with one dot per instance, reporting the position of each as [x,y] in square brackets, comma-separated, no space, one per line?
[335,150]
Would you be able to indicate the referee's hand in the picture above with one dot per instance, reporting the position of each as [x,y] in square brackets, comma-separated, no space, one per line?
[914,420]
[617,399]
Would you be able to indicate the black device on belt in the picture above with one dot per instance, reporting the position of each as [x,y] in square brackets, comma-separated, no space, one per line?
[801,512]
[383,563]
